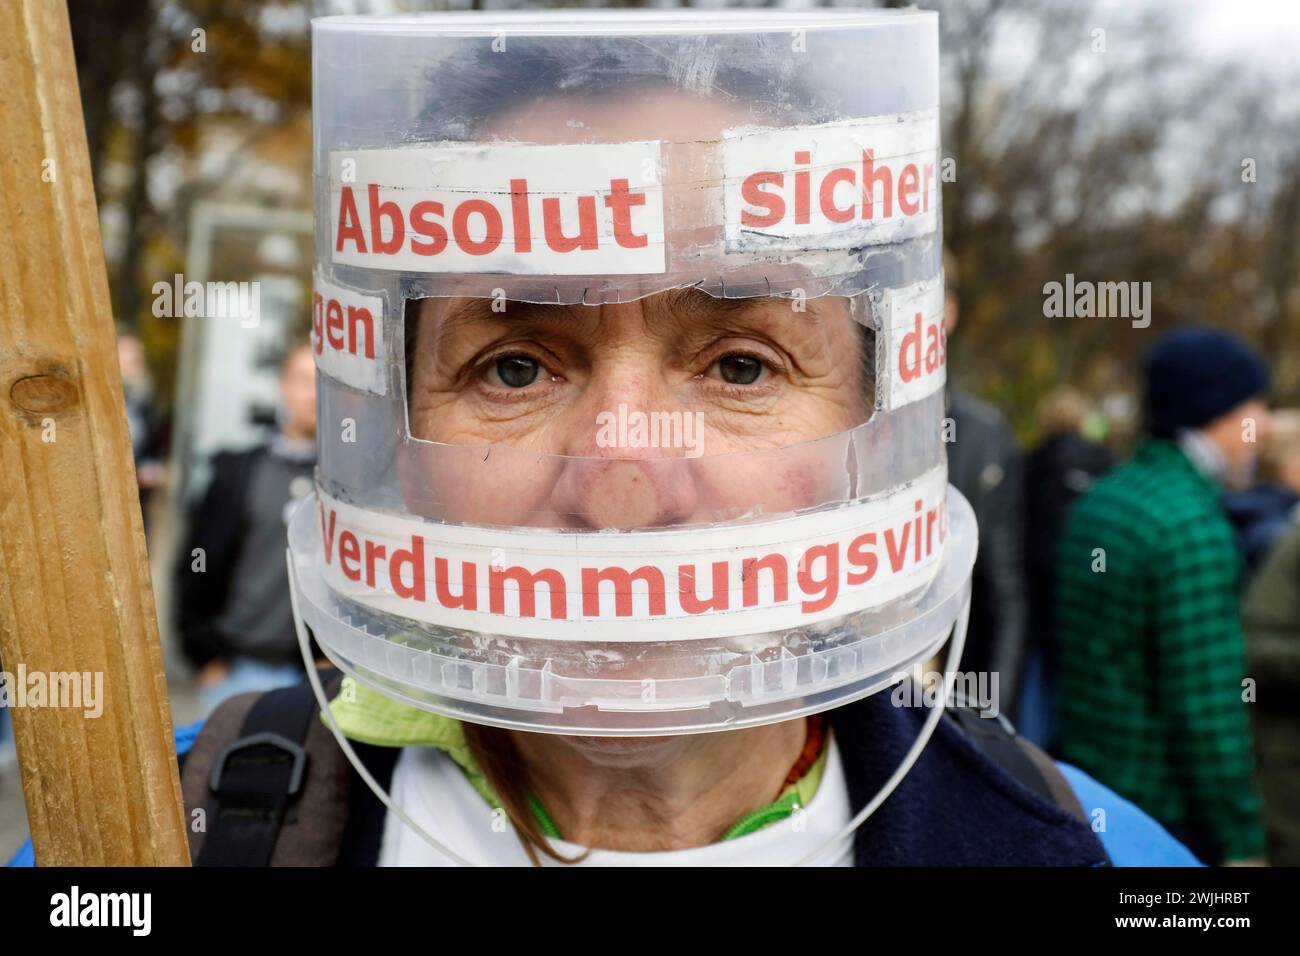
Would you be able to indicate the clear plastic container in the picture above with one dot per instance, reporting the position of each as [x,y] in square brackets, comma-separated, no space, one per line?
[767,178]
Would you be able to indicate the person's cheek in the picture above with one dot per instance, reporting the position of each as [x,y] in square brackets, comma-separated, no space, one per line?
[773,481]
[795,459]
[477,485]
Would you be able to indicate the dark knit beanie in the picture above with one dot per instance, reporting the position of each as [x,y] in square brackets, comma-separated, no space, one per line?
[1194,375]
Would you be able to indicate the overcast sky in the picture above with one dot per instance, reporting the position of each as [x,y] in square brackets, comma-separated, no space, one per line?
[1263,31]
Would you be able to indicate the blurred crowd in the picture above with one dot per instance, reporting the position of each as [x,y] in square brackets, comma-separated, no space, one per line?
[1144,613]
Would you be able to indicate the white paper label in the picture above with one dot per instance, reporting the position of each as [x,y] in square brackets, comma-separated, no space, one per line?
[721,581]
[915,341]
[833,186]
[347,336]
[588,209]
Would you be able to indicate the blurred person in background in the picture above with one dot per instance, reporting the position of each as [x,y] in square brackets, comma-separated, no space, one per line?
[148,431]
[232,587]
[985,466]
[1152,653]
[1264,514]
[1064,465]
[1271,616]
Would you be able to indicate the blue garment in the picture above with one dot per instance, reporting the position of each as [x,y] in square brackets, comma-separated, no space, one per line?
[1131,838]
[1034,719]
[247,675]
[6,728]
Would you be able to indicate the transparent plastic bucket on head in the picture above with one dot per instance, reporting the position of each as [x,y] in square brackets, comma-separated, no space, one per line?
[631,351]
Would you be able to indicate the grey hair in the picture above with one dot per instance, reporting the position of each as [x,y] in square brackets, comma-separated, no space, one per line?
[475,83]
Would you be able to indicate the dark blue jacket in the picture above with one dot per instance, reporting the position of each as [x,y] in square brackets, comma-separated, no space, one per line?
[1261,516]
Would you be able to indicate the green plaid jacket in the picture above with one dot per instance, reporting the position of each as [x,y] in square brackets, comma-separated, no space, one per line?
[1152,655]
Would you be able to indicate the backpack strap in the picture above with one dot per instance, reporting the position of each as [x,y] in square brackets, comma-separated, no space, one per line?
[262,763]
[253,780]
[998,740]
[363,834]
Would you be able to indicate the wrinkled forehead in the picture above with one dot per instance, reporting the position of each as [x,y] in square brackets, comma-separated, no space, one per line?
[648,110]
[686,126]
[682,169]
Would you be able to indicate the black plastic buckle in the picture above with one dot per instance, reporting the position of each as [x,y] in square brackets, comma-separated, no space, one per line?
[254,740]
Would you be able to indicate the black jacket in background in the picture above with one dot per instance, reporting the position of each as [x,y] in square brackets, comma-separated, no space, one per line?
[216,526]
[1057,472]
[985,465]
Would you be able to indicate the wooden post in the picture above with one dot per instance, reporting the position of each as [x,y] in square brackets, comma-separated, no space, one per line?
[75,594]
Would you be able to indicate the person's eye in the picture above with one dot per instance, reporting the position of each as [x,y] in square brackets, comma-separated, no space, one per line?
[514,371]
[737,368]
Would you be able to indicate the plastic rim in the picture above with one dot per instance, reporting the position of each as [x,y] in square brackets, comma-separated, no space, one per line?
[615,22]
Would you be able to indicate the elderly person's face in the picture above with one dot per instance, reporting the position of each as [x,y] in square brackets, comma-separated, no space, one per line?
[756,373]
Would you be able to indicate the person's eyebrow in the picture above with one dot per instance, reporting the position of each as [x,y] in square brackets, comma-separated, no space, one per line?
[694,309]
[475,311]
[693,304]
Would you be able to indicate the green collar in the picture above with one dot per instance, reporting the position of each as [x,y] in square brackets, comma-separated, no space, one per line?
[369,717]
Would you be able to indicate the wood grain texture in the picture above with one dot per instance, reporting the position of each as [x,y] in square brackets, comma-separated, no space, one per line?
[75,594]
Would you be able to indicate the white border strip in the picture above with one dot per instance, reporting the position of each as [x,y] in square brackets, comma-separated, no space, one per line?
[720,581]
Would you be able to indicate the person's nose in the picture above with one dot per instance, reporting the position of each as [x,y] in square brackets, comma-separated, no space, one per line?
[623,468]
